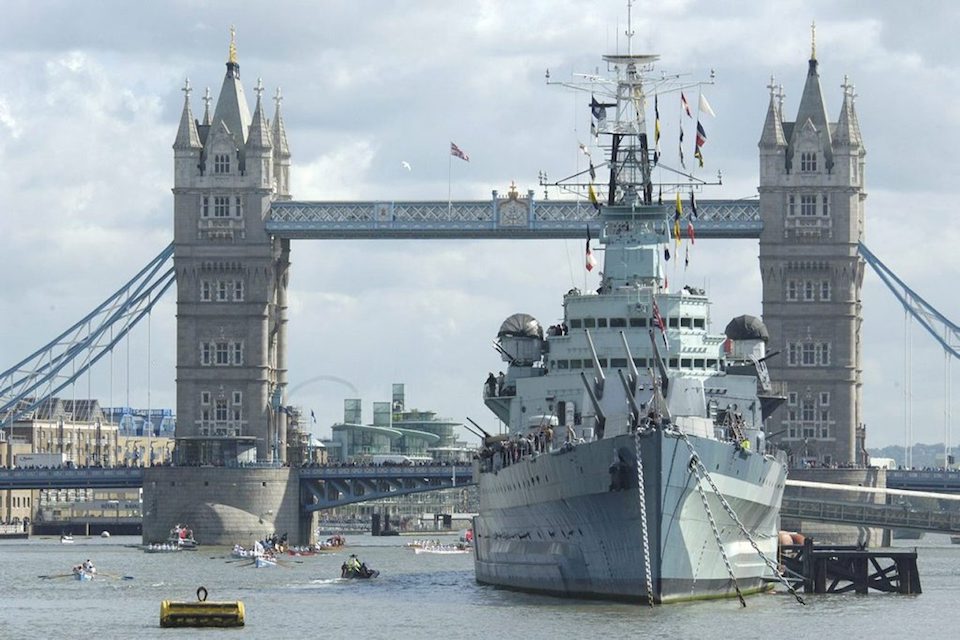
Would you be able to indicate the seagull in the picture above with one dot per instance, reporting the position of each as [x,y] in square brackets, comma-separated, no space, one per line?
[406,165]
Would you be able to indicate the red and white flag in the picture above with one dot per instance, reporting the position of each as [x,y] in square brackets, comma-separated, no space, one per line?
[591,261]
[455,151]
[659,323]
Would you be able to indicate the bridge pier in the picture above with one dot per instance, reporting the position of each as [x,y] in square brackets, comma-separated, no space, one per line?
[224,506]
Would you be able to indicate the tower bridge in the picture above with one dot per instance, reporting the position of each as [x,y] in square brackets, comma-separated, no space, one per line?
[235,217]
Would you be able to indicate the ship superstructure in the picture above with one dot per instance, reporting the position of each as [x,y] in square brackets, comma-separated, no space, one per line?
[635,466]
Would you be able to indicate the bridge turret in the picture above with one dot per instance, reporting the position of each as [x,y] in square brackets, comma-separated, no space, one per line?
[281,153]
[232,278]
[259,148]
[186,146]
[813,217]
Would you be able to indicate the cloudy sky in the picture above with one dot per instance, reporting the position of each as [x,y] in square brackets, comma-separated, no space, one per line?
[90,101]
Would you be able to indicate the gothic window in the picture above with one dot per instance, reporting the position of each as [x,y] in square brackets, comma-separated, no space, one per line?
[808,161]
[221,206]
[238,290]
[791,205]
[237,413]
[808,355]
[238,207]
[205,415]
[807,411]
[808,205]
[808,290]
[792,398]
[205,291]
[237,353]
[793,354]
[824,205]
[221,163]
[823,354]
[824,398]
[221,410]
[825,291]
[791,289]
[237,397]
[221,291]
[223,353]
[205,354]
[205,206]
[204,397]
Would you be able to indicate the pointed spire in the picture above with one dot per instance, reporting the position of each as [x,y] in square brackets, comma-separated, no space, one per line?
[187,136]
[259,137]
[207,99]
[232,109]
[772,135]
[848,127]
[813,40]
[812,106]
[281,149]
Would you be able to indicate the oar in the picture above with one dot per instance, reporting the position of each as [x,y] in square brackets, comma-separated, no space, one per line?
[114,576]
[59,575]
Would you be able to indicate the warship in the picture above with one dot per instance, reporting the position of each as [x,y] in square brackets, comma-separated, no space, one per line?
[634,466]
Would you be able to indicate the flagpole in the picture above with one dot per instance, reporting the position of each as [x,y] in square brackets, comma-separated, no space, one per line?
[449,183]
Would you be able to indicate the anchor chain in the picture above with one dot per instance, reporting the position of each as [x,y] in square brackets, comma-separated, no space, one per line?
[716,532]
[702,470]
[643,523]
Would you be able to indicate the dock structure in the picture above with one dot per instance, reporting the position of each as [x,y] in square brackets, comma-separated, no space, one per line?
[850,569]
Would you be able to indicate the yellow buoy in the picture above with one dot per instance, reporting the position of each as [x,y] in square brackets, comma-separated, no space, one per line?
[201,613]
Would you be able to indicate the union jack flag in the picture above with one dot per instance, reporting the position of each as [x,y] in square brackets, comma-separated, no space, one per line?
[455,151]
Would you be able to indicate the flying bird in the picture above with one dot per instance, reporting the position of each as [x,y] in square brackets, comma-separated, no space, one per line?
[406,165]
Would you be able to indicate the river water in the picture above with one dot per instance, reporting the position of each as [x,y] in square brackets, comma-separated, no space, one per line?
[418,596]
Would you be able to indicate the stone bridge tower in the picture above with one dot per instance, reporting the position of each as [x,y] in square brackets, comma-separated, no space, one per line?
[812,205]
[231,279]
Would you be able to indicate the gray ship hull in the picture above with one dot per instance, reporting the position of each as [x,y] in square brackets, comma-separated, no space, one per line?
[562,523]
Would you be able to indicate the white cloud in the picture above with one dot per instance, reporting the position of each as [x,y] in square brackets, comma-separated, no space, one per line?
[89,109]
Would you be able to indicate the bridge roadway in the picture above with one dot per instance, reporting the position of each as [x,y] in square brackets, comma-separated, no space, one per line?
[499,217]
[332,486]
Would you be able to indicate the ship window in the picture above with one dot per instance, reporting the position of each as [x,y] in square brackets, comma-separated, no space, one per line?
[673,363]
[575,323]
[638,322]
[603,362]
[618,322]
[563,364]
[686,322]
[601,323]
[640,362]
[685,363]
[618,363]
[574,364]
[711,363]
[673,323]
[589,323]
[698,363]
[699,323]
